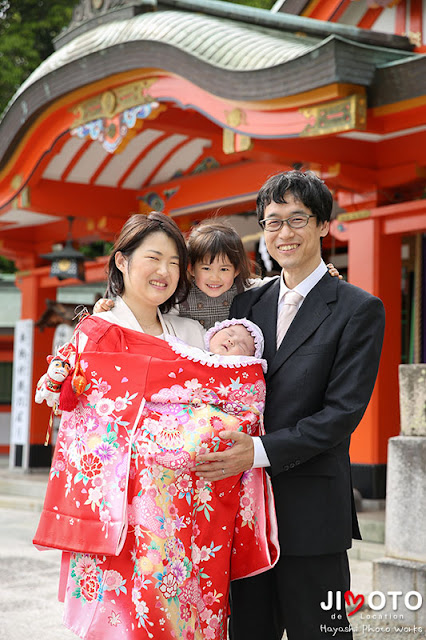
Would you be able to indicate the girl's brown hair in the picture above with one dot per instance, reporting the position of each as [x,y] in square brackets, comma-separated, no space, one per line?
[134,231]
[218,238]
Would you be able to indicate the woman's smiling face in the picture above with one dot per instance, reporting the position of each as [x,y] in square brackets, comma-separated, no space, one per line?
[151,272]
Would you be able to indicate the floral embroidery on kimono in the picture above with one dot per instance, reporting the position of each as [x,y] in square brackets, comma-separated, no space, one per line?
[151,548]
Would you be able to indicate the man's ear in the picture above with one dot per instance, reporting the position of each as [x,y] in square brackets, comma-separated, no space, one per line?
[325,229]
[120,262]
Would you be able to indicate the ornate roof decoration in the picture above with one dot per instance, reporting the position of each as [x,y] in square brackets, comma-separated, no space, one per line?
[112,132]
[91,13]
[88,9]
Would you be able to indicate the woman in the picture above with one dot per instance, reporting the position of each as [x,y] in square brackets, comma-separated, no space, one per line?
[150,548]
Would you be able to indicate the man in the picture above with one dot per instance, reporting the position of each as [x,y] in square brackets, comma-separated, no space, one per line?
[320,378]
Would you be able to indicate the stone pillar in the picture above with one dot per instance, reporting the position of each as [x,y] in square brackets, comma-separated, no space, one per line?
[404,567]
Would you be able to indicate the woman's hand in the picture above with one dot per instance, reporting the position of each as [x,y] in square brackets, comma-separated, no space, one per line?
[331,269]
[103,305]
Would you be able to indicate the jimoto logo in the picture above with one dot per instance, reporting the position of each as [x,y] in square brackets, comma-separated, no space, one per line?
[376,600]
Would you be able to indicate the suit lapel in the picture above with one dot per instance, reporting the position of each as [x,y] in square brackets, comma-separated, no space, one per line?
[264,314]
[311,314]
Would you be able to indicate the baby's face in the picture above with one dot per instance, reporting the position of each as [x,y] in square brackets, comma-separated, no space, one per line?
[234,340]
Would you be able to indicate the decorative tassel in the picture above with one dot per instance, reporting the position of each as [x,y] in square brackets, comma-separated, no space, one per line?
[67,398]
[73,385]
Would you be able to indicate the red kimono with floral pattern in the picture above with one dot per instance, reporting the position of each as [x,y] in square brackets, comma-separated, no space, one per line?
[151,548]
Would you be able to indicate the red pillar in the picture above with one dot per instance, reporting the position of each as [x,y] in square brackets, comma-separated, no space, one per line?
[375,265]
[33,305]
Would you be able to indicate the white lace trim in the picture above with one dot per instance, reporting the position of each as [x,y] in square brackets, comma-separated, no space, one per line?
[212,359]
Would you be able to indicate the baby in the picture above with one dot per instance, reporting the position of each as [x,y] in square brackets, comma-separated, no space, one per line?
[235,337]
[238,340]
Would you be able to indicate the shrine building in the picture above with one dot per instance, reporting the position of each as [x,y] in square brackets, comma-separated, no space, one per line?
[187,107]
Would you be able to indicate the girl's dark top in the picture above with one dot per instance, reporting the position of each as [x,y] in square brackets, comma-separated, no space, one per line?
[199,306]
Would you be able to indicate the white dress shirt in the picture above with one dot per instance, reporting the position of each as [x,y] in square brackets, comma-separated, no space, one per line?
[304,287]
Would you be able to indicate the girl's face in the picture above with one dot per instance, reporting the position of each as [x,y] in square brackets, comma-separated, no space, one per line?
[151,272]
[215,278]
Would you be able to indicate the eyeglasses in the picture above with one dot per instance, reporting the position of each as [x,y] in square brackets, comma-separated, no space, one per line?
[294,222]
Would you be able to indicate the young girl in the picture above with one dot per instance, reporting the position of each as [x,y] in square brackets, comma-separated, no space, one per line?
[219,268]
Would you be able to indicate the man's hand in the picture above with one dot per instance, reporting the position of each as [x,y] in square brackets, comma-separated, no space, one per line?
[224,464]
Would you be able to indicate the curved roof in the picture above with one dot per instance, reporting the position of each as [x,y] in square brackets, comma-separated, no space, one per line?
[218,42]
[223,45]
[229,58]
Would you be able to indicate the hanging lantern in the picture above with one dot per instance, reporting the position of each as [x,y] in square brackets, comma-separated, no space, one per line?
[67,262]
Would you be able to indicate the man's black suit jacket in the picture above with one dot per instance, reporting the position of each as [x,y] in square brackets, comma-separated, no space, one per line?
[319,383]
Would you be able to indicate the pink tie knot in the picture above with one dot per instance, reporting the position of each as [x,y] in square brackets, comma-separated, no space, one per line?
[292,297]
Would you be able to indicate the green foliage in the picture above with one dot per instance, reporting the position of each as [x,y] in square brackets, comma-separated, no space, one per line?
[96,249]
[27,29]
[7,266]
